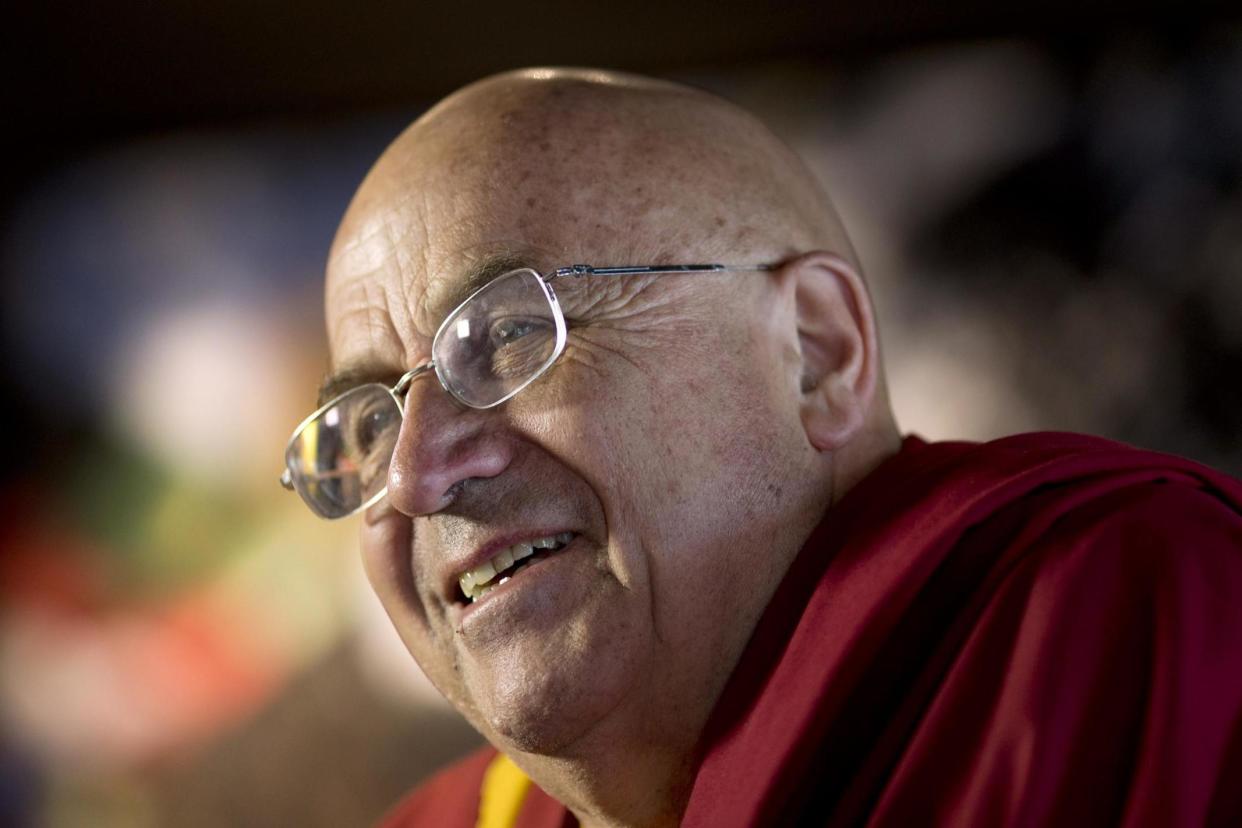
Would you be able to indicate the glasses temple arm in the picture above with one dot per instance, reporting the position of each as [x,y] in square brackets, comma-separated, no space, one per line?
[580,270]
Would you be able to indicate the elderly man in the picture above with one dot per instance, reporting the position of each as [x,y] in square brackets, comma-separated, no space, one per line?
[607,387]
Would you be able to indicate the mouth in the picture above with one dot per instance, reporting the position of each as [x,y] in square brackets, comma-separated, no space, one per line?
[475,583]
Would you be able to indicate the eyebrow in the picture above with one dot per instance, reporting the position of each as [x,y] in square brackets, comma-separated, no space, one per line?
[481,273]
[338,382]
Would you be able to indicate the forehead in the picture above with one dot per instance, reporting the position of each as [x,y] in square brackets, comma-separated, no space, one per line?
[383,307]
[476,188]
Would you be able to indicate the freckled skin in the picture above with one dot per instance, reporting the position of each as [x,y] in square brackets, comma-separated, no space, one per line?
[669,435]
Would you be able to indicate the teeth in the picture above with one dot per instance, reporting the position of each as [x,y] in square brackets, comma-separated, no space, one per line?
[484,573]
[503,561]
[476,583]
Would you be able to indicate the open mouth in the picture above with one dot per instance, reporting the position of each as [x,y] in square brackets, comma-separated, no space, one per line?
[481,580]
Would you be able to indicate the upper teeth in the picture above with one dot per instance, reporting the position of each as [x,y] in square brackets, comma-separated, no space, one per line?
[476,582]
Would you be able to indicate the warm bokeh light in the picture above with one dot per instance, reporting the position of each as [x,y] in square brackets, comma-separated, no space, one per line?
[179,395]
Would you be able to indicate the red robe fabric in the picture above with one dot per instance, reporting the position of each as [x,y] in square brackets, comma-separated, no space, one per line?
[1041,630]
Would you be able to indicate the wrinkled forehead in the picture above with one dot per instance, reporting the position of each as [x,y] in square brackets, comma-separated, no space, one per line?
[505,179]
[417,249]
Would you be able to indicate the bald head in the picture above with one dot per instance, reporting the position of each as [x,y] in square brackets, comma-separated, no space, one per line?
[685,424]
[569,165]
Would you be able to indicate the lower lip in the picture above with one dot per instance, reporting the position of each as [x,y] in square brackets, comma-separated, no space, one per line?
[503,594]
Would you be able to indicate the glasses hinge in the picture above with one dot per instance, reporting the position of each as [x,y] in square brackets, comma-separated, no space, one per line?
[574,270]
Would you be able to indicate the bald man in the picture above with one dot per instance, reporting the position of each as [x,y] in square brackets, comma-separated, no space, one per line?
[607,389]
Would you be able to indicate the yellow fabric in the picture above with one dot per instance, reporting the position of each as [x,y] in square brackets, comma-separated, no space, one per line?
[504,789]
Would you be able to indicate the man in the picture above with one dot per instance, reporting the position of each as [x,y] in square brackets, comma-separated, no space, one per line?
[654,532]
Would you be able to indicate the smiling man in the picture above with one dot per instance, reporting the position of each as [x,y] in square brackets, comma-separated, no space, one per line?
[649,524]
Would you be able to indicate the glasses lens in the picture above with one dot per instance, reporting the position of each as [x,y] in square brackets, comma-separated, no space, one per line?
[339,460]
[499,340]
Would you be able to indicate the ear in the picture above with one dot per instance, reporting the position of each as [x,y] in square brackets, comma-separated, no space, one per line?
[837,346]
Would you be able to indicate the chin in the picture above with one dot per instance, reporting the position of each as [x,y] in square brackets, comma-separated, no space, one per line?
[547,713]
[541,735]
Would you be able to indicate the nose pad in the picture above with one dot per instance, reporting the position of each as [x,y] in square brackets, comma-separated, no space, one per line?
[441,444]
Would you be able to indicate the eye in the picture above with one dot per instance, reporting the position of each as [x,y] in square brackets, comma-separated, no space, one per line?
[510,329]
[519,345]
[373,426]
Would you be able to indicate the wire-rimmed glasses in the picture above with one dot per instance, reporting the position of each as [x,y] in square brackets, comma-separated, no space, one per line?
[503,337]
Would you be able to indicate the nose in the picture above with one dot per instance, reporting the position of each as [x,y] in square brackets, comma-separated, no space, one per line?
[441,444]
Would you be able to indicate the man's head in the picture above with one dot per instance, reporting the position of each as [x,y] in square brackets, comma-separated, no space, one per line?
[690,436]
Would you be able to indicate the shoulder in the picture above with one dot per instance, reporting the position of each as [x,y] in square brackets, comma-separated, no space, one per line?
[1162,520]
[1097,678]
[1062,492]
[941,490]
[446,800]
[1132,519]
[1147,562]
[1056,455]
[1155,564]
[1107,662]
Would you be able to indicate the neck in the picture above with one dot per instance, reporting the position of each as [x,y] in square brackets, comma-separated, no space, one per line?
[853,462]
[618,777]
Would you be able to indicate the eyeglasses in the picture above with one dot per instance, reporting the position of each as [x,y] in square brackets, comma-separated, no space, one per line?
[502,338]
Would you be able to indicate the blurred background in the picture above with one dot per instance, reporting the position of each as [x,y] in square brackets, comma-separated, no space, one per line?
[1047,198]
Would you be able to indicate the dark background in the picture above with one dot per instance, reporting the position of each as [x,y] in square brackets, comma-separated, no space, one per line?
[82,75]
[1047,198]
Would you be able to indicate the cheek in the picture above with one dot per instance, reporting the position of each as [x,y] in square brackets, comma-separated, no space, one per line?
[667,443]
[704,431]
[385,545]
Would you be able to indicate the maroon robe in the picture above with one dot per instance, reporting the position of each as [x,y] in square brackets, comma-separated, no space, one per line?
[1041,630]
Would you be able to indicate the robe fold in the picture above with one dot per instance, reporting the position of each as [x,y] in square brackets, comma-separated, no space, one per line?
[1041,630]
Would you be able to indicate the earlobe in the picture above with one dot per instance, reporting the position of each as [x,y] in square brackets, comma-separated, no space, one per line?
[831,415]
[837,347]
